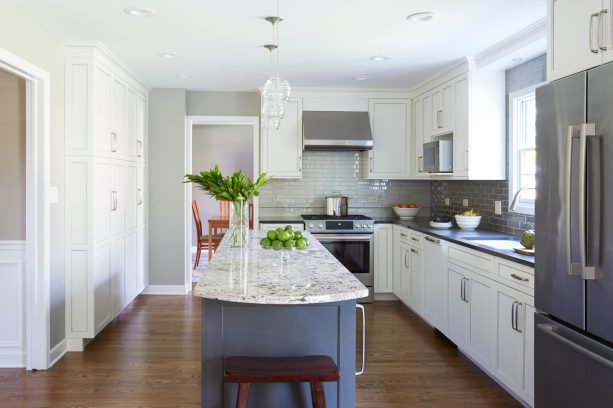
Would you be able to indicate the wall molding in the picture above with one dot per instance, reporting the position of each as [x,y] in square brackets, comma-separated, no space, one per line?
[165,290]
[57,352]
[12,295]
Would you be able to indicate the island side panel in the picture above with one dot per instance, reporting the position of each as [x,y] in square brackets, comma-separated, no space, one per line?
[230,328]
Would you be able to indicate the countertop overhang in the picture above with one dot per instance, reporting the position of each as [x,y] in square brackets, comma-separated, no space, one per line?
[260,276]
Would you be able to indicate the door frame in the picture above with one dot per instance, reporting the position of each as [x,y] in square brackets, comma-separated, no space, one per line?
[254,122]
[37,272]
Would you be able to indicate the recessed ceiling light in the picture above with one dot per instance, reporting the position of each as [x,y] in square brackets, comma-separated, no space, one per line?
[170,55]
[380,58]
[140,11]
[517,60]
[361,77]
[422,17]
[185,76]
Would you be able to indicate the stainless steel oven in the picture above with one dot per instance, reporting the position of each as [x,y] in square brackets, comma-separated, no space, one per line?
[356,253]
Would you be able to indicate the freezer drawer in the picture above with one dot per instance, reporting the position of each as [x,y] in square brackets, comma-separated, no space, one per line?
[571,370]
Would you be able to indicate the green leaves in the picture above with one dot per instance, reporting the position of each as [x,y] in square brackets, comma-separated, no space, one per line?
[236,187]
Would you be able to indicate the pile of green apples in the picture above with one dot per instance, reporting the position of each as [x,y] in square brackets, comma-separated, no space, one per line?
[284,238]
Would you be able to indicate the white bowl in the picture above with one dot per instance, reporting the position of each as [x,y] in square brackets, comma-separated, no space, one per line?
[468,223]
[406,213]
[441,225]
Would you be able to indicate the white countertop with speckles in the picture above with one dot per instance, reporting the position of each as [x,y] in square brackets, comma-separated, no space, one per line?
[257,275]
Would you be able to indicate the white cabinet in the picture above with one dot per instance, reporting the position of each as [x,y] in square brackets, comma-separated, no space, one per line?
[579,36]
[383,258]
[416,283]
[281,149]
[458,307]
[435,283]
[442,113]
[514,363]
[390,158]
[105,190]
[482,332]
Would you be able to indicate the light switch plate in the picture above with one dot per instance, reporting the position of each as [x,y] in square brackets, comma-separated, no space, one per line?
[465,202]
[372,199]
[497,207]
[447,201]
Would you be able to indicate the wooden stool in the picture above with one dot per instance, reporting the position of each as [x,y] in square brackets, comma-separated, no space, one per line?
[312,369]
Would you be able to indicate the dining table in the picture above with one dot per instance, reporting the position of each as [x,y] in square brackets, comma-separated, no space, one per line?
[216,224]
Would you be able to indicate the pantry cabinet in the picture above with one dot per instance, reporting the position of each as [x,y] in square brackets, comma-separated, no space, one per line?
[580,36]
[105,190]
[281,149]
[390,157]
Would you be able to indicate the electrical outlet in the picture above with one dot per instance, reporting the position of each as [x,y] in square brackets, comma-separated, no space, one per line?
[372,199]
[498,207]
[447,201]
[465,202]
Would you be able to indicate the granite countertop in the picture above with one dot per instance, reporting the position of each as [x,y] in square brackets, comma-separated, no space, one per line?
[458,236]
[257,275]
[281,219]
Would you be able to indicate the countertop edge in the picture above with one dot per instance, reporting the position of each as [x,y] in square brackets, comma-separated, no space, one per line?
[521,259]
[308,300]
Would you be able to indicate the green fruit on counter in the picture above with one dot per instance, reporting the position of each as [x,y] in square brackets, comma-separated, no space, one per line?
[289,228]
[290,243]
[272,235]
[297,234]
[527,239]
[301,244]
[276,244]
[279,230]
[283,235]
[265,242]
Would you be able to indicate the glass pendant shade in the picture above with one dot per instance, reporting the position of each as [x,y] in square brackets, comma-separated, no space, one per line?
[275,94]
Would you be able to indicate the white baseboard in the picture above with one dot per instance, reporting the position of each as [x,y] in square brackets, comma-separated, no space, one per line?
[74,345]
[12,357]
[385,296]
[58,352]
[165,290]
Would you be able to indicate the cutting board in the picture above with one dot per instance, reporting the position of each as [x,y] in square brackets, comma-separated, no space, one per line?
[524,251]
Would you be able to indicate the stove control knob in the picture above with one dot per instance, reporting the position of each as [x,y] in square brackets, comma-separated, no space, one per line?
[357,225]
[320,225]
[311,225]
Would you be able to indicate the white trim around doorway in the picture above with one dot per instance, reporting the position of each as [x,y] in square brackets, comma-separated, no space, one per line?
[37,274]
[254,122]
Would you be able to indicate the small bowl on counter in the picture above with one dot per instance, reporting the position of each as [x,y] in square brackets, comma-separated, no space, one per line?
[405,213]
[468,223]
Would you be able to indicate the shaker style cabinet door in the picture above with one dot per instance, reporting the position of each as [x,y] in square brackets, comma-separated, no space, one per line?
[103,139]
[383,258]
[282,148]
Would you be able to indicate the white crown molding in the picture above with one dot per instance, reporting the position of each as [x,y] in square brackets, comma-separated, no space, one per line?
[529,35]
[457,68]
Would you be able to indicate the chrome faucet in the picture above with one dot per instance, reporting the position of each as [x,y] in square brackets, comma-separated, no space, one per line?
[517,195]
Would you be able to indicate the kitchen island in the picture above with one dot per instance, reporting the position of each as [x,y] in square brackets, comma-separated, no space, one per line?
[256,302]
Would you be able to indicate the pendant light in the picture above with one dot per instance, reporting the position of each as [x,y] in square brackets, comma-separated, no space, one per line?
[276,90]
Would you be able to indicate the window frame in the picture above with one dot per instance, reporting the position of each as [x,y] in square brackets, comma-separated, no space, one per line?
[524,206]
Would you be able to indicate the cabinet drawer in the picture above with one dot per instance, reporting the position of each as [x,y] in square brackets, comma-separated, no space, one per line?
[402,234]
[416,240]
[515,275]
[471,259]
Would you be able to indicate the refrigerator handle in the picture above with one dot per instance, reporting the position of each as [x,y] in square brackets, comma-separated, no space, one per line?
[554,332]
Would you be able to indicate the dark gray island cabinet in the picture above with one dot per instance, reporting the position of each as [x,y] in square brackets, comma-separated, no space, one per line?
[255,303]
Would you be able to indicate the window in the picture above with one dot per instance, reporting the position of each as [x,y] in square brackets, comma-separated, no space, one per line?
[522,149]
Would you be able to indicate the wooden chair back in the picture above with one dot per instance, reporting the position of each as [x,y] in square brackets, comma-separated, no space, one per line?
[197,218]
[224,209]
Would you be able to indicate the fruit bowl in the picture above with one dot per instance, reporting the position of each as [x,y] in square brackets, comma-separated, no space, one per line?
[406,213]
[468,223]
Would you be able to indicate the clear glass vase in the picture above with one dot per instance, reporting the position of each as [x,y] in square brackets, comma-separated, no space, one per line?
[238,224]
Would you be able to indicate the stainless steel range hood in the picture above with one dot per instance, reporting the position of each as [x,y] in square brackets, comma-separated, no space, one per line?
[336,130]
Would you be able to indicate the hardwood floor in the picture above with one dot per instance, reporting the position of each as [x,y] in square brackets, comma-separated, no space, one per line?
[149,357]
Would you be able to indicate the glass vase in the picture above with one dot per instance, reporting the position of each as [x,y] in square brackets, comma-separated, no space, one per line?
[238,224]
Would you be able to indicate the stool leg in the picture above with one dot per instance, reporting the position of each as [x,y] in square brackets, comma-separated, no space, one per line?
[318,395]
[243,395]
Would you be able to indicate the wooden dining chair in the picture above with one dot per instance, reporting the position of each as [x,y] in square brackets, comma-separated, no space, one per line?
[203,240]
[224,211]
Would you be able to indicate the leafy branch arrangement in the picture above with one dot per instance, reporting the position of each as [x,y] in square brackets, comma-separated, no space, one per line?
[236,187]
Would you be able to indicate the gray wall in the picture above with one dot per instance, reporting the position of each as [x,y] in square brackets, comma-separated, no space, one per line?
[229,146]
[482,194]
[327,172]
[12,157]
[223,103]
[40,47]
[166,189]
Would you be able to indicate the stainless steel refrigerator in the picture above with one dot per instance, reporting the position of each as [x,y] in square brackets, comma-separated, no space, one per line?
[574,241]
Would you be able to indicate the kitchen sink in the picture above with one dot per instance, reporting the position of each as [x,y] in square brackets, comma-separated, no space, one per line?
[507,243]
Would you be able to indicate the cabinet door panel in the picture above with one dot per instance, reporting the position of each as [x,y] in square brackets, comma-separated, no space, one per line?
[118,118]
[417,280]
[141,196]
[569,37]
[141,128]
[117,274]
[460,134]
[418,115]
[528,327]
[435,282]
[448,107]
[481,295]
[102,110]
[131,268]
[437,111]
[103,200]
[509,355]
[390,123]
[383,258]
[141,259]
[131,196]
[103,306]
[131,124]
[458,310]
[282,148]
[427,117]
[118,193]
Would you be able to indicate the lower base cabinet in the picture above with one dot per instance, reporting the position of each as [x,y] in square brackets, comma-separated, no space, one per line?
[482,327]
[435,283]
[458,306]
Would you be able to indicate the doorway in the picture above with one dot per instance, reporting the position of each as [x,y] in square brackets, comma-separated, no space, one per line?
[231,142]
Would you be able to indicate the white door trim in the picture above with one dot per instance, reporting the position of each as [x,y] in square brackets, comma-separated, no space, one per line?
[254,122]
[37,282]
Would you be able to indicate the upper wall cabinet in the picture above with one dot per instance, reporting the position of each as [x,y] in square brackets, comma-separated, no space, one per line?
[468,108]
[390,122]
[580,36]
[282,149]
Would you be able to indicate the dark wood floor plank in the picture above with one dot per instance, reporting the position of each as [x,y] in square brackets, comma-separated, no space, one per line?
[150,357]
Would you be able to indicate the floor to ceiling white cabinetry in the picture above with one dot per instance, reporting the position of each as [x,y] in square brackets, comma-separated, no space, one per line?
[106,167]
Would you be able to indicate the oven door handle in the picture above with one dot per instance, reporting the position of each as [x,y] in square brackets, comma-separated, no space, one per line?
[343,237]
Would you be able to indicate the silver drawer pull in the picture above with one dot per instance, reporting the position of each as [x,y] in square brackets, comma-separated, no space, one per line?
[402,234]
[415,239]
[414,251]
[519,278]
[436,241]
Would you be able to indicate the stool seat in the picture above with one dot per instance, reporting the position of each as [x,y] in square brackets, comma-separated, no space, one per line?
[246,370]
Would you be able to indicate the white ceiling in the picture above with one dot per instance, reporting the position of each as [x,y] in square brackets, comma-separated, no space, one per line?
[323,43]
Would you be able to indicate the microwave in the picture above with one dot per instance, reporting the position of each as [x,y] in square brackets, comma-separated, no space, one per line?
[438,157]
